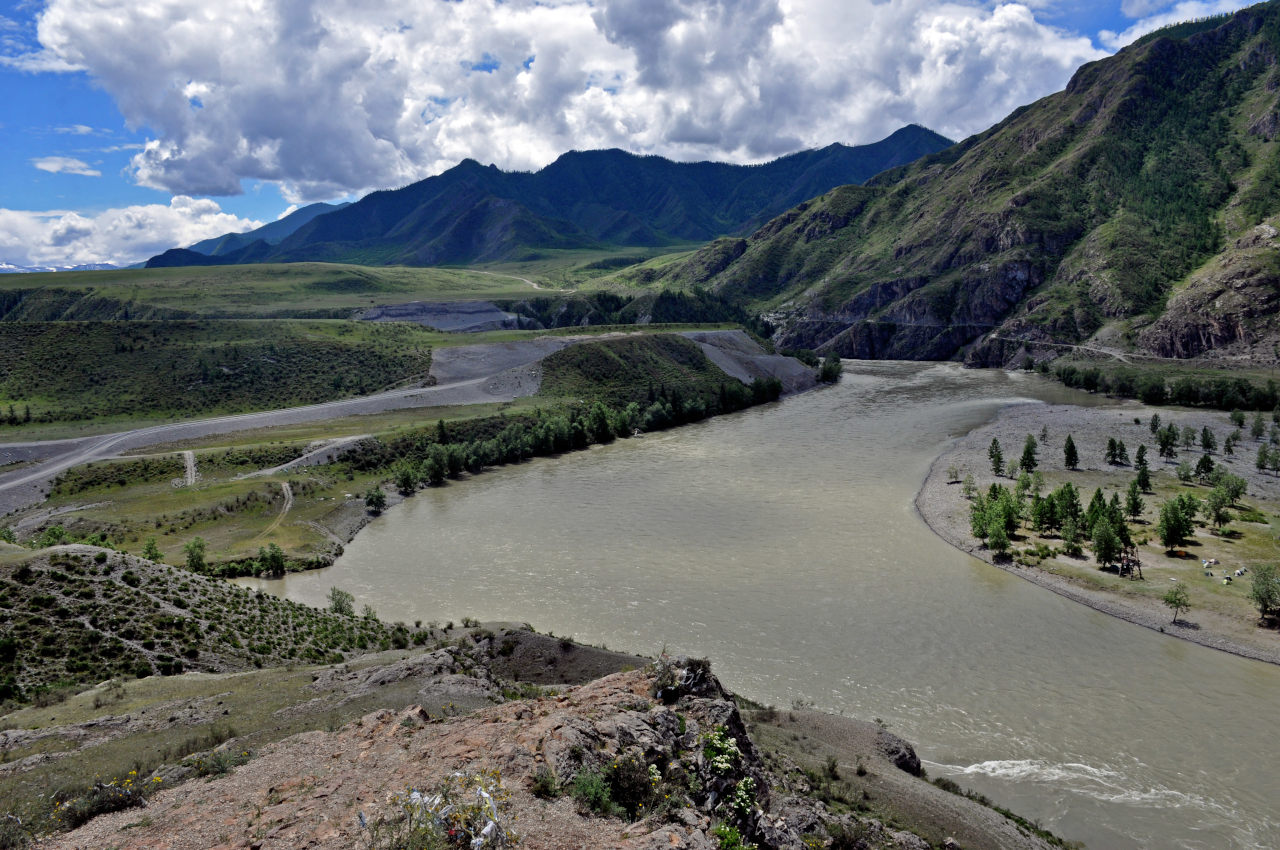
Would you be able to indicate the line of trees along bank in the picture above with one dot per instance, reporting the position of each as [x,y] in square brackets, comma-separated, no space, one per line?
[1220,393]
[429,456]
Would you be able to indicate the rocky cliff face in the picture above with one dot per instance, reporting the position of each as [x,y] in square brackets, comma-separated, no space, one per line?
[1228,309]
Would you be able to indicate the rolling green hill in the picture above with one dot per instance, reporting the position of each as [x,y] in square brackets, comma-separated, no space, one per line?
[55,371]
[1086,209]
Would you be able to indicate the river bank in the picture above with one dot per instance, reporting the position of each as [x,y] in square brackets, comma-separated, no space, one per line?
[1222,620]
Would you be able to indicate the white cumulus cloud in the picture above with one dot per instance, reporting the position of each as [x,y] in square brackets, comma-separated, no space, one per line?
[65,165]
[1154,14]
[120,236]
[332,97]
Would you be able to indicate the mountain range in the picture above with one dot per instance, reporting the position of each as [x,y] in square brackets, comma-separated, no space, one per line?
[477,213]
[10,268]
[1136,208]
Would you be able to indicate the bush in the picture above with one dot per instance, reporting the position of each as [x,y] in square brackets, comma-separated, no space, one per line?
[545,784]
[103,797]
[591,791]
[632,784]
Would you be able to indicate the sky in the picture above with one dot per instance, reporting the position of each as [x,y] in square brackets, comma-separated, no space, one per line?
[133,126]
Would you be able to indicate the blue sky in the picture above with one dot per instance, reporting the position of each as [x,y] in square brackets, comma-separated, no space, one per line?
[134,125]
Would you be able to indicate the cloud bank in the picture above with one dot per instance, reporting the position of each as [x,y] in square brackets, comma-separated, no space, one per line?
[119,236]
[336,97]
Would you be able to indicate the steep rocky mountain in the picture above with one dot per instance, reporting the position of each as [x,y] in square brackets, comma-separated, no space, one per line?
[1088,208]
[474,213]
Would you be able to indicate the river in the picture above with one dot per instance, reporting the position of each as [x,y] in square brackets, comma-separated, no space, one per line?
[782,543]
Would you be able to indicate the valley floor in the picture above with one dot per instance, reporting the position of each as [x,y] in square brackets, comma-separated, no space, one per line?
[1221,616]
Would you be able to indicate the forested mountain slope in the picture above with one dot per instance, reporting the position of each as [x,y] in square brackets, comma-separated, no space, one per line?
[1089,208]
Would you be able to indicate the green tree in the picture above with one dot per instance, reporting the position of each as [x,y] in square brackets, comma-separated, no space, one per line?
[1144,479]
[341,602]
[1265,592]
[1106,544]
[1208,441]
[1068,503]
[996,456]
[1216,504]
[1096,510]
[1167,441]
[1070,456]
[195,549]
[1029,462]
[1204,467]
[1122,453]
[1177,600]
[1043,514]
[375,500]
[1189,436]
[998,539]
[1237,418]
[978,517]
[1133,504]
[1071,538]
[271,559]
[1184,472]
[1155,423]
[151,551]
[1113,451]
[1263,458]
[1172,527]
[1258,427]
[405,476]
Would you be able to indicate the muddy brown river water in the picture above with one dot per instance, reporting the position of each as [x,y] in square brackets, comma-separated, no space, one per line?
[782,543]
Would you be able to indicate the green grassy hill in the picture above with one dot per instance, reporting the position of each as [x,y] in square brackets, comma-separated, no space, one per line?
[288,290]
[54,371]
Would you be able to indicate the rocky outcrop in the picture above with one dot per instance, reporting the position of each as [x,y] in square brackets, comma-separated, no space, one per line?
[1229,308]
[323,789]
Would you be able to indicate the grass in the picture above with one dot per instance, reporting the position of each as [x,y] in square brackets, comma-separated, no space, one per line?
[585,268]
[304,290]
[85,370]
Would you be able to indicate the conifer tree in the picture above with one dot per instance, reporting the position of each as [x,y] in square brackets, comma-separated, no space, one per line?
[996,456]
[1029,461]
[1069,454]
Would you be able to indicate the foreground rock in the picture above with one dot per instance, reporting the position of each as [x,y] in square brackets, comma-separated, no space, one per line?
[316,789]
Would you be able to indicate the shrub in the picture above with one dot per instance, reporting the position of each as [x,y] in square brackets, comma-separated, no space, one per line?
[632,784]
[103,797]
[720,750]
[545,784]
[729,838]
[591,792]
